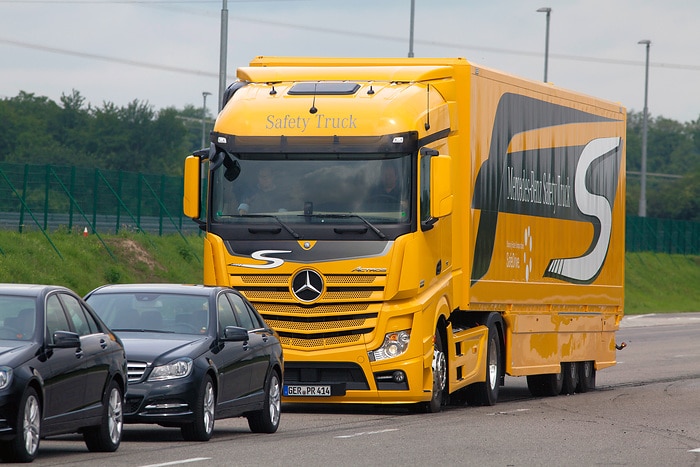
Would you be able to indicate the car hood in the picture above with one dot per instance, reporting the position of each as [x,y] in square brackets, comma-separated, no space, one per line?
[13,353]
[157,347]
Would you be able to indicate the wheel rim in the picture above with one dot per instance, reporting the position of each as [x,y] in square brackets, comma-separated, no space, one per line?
[439,370]
[493,365]
[208,407]
[115,416]
[275,400]
[31,425]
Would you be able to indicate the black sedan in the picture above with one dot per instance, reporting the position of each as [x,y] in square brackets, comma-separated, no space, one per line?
[195,354]
[61,371]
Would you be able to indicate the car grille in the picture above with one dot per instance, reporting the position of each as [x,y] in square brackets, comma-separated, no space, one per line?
[348,309]
[135,370]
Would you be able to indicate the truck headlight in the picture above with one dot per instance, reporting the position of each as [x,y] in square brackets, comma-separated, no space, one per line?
[175,369]
[395,343]
[5,376]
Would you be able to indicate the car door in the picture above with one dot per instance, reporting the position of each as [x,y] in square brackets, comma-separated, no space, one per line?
[231,359]
[97,350]
[64,386]
[257,357]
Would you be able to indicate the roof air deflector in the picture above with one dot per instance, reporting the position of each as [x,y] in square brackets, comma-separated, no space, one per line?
[323,88]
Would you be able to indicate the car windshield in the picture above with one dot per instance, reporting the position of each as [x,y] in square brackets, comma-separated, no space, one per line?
[18,317]
[153,312]
[314,191]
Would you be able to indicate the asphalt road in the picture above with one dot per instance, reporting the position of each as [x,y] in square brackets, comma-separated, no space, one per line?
[645,412]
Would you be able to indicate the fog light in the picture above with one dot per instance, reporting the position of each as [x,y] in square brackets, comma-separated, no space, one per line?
[399,376]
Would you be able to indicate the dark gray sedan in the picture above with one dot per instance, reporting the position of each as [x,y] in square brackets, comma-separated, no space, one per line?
[61,371]
[195,354]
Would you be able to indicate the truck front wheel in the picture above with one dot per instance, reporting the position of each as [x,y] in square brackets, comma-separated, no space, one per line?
[439,377]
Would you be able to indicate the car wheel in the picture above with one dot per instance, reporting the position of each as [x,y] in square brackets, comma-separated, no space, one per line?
[25,445]
[107,436]
[267,420]
[204,414]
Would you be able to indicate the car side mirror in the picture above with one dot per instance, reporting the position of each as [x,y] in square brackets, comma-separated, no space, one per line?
[235,334]
[65,340]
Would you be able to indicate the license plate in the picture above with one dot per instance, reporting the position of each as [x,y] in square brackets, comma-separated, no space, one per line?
[307,391]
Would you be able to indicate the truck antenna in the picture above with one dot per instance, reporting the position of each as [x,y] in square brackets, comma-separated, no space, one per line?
[313,108]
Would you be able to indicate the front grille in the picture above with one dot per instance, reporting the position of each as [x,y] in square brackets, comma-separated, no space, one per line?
[135,370]
[348,309]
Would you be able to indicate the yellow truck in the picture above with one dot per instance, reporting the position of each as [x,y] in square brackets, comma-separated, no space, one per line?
[416,229]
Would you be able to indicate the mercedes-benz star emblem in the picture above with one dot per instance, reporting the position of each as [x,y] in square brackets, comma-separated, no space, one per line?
[307,285]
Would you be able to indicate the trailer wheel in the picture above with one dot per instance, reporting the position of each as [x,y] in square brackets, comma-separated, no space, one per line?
[570,373]
[545,385]
[586,376]
[486,393]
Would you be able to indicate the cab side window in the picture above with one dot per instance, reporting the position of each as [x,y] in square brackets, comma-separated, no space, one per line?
[226,317]
[242,314]
[56,319]
[82,321]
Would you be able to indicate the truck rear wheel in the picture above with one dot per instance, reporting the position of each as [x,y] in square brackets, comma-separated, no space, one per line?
[486,393]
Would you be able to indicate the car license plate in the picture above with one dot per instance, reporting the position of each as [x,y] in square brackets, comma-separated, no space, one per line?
[307,391]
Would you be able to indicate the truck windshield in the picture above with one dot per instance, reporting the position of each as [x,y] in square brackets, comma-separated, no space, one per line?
[325,189]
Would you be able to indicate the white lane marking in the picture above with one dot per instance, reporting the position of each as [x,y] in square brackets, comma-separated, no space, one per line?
[510,412]
[695,450]
[183,461]
[365,433]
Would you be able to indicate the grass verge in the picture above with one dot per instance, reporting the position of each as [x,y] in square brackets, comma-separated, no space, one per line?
[654,283]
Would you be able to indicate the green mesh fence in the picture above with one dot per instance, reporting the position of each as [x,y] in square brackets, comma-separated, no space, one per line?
[48,197]
[662,236]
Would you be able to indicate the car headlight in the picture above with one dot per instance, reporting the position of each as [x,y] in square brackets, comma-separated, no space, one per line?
[395,343]
[175,369]
[5,376]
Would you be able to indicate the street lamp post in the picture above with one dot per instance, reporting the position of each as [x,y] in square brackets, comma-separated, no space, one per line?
[643,190]
[222,54]
[204,116]
[546,39]
[410,34]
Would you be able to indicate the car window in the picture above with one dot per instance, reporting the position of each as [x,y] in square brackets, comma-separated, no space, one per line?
[226,316]
[243,316]
[56,319]
[82,322]
[17,317]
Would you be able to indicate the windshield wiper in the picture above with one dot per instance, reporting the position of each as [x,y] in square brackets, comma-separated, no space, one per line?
[350,215]
[286,227]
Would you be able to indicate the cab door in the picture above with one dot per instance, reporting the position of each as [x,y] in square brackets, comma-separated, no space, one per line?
[231,359]
[64,387]
[97,348]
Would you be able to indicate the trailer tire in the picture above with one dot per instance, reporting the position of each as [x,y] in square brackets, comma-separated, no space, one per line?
[545,385]
[586,376]
[486,393]
[570,374]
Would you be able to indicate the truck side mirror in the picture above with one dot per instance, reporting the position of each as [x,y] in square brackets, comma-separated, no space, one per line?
[441,197]
[191,202]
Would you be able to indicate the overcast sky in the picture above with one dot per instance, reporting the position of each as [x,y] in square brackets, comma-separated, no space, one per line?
[166,52]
